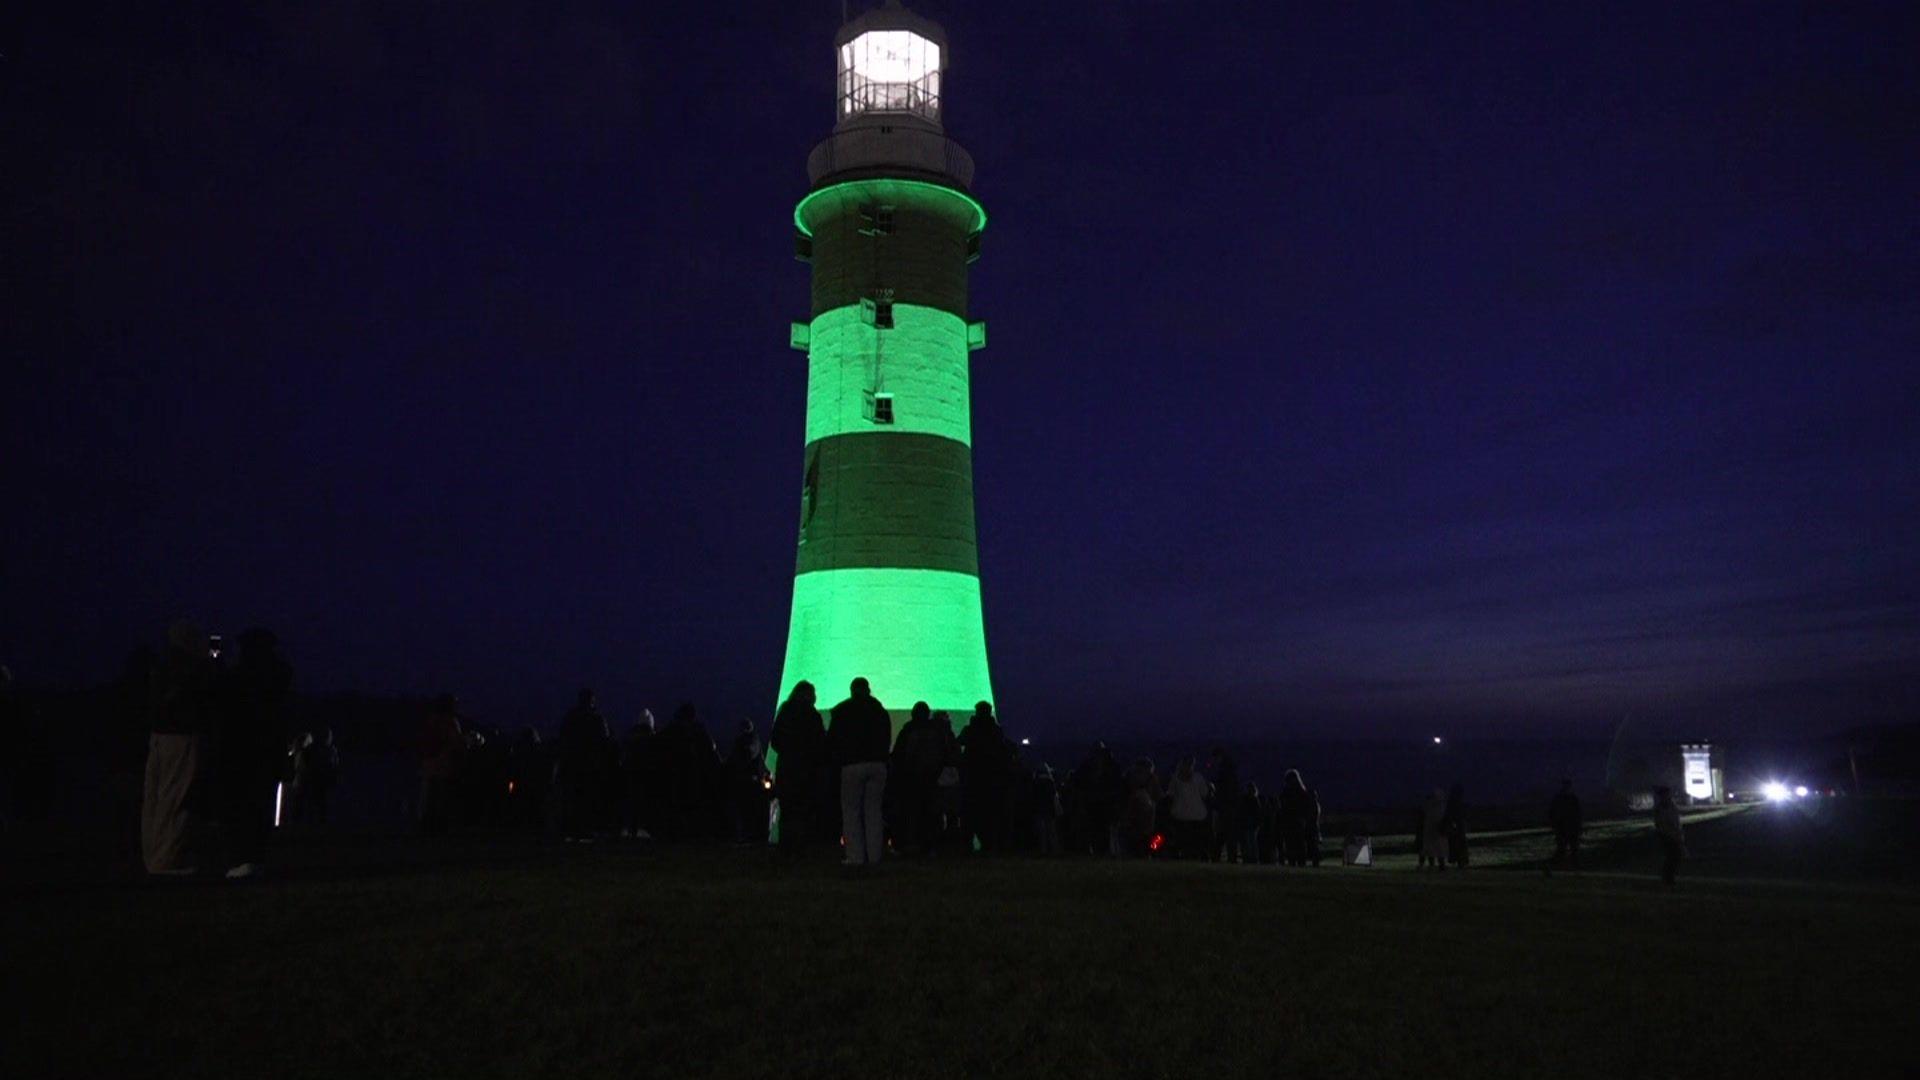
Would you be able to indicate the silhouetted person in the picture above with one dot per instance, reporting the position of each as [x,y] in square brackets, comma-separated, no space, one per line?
[252,746]
[442,743]
[800,769]
[860,732]
[180,720]
[1270,827]
[949,802]
[1563,814]
[1666,825]
[1454,823]
[1139,821]
[639,780]
[582,768]
[1099,794]
[1226,808]
[985,764]
[1310,825]
[316,767]
[1294,813]
[1187,793]
[1432,833]
[913,777]
[1045,812]
[691,778]
[1245,845]
[747,786]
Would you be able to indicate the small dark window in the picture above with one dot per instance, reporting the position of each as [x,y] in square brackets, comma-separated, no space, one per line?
[883,408]
[876,221]
[878,313]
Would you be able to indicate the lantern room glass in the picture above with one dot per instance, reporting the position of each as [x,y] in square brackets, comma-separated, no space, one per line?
[890,71]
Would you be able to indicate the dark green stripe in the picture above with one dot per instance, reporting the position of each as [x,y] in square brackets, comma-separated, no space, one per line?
[923,260]
[888,499]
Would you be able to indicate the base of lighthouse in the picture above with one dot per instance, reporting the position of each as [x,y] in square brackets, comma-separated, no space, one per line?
[914,634]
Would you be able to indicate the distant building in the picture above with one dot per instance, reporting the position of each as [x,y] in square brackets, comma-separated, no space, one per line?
[1701,781]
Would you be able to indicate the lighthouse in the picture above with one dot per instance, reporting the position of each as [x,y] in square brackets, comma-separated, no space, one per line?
[886,582]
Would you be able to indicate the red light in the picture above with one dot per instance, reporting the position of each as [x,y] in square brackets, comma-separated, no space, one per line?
[1159,841]
[509,787]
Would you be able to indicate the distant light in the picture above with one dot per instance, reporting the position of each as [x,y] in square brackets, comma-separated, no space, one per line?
[1026,742]
[1775,791]
[1436,740]
[1800,792]
[279,789]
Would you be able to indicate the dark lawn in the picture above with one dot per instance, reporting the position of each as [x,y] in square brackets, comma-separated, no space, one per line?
[391,958]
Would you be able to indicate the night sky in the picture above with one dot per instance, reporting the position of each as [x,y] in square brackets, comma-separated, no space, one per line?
[1352,367]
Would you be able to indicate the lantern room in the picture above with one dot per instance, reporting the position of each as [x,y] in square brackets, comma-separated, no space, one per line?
[890,65]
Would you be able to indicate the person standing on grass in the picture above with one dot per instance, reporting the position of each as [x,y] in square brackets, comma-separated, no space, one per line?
[1226,809]
[1310,824]
[252,746]
[1563,814]
[747,786]
[1046,811]
[913,775]
[799,744]
[690,777]
[1432,837]
[948,800]
[586,748]
[1673,842]
[986,768]
[1293,819]
[181,720]
[1142,807]
[1454,822]
[1246,844]
[639,787]
[860,732]
[316,765]
[442,741]
[1187,799]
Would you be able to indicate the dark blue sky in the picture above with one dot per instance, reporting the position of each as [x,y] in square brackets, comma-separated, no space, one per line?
[1353,367]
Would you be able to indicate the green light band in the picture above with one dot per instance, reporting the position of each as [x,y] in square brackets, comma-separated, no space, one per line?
[922,362]
[889,190]
[915,635]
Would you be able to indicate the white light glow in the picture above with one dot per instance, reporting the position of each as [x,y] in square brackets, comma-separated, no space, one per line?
[1800,792]
[892,56]
[1436,740]
[1775,791]
[890,71]
[279,789]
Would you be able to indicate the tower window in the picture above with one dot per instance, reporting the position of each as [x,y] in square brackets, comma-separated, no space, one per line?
[876,221]
[878,312]
[880,408]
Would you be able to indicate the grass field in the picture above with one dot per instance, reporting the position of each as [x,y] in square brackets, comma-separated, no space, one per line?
[391,958]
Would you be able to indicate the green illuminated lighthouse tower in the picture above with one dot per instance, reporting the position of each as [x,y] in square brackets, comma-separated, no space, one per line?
[887,583]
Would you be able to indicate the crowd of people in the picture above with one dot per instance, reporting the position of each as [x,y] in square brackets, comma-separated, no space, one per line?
[219,753]
[844,779]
